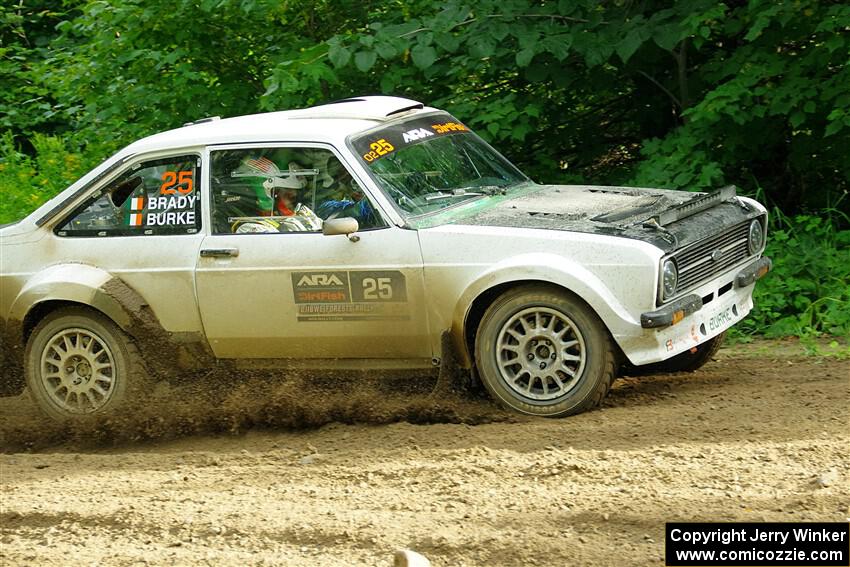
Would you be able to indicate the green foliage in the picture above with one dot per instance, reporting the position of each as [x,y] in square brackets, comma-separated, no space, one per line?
[819,347]
[689,96]
[27,182]
[807,293]
[114,71]
[775,110]
[685,95]
[27,31]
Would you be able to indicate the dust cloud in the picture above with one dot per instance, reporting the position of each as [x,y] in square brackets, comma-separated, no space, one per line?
[223,403]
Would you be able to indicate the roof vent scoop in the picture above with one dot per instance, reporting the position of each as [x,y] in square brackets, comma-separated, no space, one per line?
[367,107]
[416,106]
[202,120]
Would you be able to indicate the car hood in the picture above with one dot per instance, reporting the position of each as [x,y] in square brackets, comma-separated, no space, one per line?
[664,218]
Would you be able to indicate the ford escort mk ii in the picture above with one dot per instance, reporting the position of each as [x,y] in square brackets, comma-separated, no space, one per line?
[370,233]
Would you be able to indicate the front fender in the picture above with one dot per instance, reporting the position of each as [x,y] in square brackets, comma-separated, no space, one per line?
[549,268]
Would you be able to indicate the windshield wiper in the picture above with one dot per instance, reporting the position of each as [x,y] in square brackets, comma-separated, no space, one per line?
[454,193]
[492,189]
[475,190]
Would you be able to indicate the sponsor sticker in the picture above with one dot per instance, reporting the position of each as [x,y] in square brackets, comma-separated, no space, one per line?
[171,207]
[384,142]
[350,296]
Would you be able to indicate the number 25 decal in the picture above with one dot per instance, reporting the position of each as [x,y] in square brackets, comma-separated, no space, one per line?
[183,180]
[382,147]
[377,288]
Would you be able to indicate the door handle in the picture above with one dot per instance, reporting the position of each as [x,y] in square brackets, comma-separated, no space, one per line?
[219,252]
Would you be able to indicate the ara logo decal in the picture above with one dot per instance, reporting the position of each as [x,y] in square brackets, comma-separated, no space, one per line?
[319,280]
[350,296]
[320,287]
[416,134]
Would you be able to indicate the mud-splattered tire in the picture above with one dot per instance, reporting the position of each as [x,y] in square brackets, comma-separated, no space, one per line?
[542,351]
[685,362]
[80,364]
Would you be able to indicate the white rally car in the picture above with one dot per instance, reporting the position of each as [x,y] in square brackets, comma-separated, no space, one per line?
[370,233]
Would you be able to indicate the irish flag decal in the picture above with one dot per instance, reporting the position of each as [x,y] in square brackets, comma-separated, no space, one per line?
[137,205]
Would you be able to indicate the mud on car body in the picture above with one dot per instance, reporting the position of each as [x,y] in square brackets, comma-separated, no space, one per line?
[369,233]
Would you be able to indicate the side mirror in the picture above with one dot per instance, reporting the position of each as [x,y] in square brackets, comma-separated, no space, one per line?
[347,226]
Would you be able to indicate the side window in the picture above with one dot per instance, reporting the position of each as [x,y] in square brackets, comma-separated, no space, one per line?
[270,190]
[152,198]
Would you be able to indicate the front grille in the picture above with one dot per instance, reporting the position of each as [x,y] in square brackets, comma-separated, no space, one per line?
[707,258]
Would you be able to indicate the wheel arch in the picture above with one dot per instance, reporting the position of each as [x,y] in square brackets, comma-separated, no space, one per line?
[44,308]
[109,295]
[542,269]
[50,289]
[67,284]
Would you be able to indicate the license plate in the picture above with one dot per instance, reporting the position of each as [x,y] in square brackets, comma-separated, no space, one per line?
[720,320]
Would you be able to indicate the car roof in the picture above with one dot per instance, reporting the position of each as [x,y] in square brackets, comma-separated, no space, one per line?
[329,123]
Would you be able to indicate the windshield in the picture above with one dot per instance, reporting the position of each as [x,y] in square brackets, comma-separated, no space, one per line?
[433,162]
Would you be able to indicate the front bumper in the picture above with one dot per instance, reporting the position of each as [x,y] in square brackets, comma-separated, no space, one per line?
[671,313]
[677,310]
[690,321]
[753,272]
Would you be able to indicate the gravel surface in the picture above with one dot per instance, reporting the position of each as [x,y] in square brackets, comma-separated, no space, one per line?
[256,475]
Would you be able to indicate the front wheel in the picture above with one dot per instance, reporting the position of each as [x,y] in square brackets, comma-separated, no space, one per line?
[542,351]
[79,363]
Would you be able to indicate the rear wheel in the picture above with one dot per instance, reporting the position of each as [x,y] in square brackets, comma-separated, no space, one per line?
[79,364]
[542,351]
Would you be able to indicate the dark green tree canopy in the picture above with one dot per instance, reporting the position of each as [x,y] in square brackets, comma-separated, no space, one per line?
[686,95]
[690,95]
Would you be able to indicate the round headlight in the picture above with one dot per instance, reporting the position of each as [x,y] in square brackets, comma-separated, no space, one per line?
[756,237]
[669,279]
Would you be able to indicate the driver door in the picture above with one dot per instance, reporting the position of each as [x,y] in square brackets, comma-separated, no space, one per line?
[298,293]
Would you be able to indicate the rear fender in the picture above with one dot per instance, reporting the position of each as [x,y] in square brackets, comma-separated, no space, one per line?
[81,284]
[72,283]
[75,283]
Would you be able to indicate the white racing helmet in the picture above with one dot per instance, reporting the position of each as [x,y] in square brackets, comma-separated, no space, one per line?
[275,178]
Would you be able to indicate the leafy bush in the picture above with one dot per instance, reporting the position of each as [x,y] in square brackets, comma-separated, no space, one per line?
[26,182]
[808,291]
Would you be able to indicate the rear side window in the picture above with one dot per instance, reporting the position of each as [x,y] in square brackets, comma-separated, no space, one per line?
[153,198]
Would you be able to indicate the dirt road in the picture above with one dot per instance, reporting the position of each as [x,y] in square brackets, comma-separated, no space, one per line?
[253,476]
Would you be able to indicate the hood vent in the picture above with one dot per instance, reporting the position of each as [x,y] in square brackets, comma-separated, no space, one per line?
[557,216]
[695,205]
[642,206]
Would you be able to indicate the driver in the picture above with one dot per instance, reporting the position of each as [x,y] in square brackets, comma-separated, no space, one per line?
[277,194]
